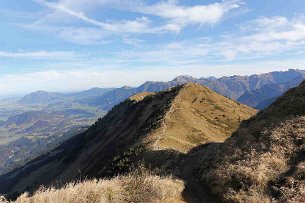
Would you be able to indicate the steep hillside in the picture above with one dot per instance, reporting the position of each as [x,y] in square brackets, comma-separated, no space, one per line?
[264,160]
[266,103]
[260,98]
[235,86]
[198,115]
[142,127]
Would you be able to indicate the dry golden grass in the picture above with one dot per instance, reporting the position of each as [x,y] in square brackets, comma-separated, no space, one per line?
[138,187]
[140,96]
[268,168]
[198,115]
[264,160]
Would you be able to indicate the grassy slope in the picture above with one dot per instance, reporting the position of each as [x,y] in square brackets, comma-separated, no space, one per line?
[264,160]
[197,116]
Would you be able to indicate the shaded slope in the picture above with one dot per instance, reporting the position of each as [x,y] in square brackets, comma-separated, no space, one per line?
[92,151]
[260,98]
[133,130]
[266,103]
[264,160]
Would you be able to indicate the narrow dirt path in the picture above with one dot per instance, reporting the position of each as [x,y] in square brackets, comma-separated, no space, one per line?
[193,192]
[168,114]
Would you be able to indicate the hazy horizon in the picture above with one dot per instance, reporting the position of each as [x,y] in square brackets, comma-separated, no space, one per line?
[66,91]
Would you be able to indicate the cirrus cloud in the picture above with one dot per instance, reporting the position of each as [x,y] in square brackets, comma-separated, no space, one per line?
[173,17]
[61,55]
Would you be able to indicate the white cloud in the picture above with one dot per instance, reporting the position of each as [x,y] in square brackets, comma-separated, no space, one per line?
[174,17]
[170,10]
[64,9]
[271,37]
[138,25]
[38,54]
[188,15]
[83,35]
[89,5]
[265,36]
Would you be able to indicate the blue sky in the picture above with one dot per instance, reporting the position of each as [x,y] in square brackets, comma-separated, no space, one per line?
[67,45]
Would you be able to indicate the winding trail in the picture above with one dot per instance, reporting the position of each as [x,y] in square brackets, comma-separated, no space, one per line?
[194,192]
[168,114]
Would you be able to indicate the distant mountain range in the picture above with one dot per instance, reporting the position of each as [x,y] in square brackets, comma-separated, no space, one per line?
[261,98]
[232,87]
[43,97]
[253,90]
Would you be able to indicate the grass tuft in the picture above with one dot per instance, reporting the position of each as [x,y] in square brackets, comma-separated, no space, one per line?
[140,186]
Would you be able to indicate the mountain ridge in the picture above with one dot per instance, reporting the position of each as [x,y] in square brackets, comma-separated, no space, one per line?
[220,85]
[134,129]
[233,87]
[268,93]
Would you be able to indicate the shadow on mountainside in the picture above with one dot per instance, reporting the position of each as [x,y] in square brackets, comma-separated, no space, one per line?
[163,163]
[195,191]
[184,166]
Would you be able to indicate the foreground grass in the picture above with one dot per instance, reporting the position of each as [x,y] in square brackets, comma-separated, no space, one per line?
[267,168]
[137,187]
[264,160]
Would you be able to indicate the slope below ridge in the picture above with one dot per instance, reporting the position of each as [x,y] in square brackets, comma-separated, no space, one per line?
[197,116]
[91,153]
[264,159]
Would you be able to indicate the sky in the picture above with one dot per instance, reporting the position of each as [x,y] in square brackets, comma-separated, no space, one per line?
[70,45]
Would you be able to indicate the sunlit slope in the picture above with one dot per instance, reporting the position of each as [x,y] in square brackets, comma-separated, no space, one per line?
[197,116]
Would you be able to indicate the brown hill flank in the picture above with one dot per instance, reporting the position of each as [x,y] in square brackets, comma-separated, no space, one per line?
[140,96]
[197,116]
[264,161]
